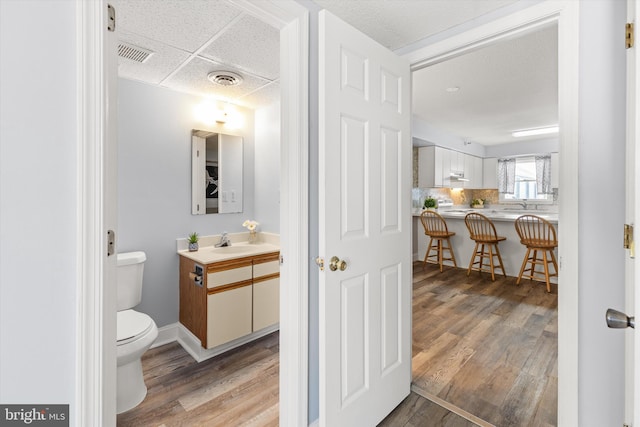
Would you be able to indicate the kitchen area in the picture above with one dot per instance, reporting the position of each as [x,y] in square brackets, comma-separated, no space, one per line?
[461,183]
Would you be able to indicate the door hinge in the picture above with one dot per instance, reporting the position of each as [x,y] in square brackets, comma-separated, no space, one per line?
[111,242]
[628,242]
[111,17]
[281,259]
[629,35]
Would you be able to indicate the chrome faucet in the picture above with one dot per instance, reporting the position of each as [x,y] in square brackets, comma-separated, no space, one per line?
[224,241]
[523,204]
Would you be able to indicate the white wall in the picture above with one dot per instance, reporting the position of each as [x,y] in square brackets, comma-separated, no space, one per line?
[601,174]
[267,168]
[154,186]
[38,202]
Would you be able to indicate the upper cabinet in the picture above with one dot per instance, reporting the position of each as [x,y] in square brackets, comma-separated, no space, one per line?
[490,176]
[441,167]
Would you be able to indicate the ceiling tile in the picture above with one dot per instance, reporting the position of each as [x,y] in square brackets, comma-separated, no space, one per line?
[192,78]
[184,24]
[262,97]
[163,62]
[249,44]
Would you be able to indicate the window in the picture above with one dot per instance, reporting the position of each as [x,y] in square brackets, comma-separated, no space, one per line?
[525,178]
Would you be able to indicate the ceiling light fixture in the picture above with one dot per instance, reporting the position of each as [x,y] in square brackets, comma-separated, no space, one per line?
[538,131]
[452,89]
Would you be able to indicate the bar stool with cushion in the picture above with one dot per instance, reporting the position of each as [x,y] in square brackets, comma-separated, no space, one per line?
[539,236]
[483,232]
[436,228]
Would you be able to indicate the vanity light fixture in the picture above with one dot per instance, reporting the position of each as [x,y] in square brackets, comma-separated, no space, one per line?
[211,112]
[538,131]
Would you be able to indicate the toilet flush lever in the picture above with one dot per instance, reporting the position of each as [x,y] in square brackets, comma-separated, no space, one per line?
[111,242]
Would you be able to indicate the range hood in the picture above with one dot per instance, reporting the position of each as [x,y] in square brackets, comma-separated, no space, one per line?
[458,177]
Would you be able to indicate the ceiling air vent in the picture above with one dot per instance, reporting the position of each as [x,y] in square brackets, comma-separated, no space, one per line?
[134,53]
[225,78]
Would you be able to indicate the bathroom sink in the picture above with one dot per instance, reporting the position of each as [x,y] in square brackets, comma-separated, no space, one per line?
[233,249]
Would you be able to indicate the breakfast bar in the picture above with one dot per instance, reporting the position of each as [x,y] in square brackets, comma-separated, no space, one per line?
[512,250]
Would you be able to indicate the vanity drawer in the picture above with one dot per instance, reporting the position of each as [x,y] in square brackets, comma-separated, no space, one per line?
[266,265]
[229,273]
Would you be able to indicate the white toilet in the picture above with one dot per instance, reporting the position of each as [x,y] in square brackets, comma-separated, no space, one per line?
[136,332]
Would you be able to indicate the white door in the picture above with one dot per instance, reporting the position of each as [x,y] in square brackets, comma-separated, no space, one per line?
[365,182]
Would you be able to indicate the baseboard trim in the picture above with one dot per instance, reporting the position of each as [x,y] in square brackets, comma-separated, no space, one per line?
[192,344]
[453,408]
[166,334]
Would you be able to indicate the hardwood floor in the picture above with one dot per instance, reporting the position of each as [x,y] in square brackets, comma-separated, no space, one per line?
[237,388]
[489,348]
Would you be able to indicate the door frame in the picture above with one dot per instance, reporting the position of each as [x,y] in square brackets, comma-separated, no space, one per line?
[632,216]
[566,14]
[96,368]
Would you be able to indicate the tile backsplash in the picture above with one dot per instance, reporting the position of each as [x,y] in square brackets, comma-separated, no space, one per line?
[460,196]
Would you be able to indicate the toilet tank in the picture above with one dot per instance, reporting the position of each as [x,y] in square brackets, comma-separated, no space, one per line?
[129,277]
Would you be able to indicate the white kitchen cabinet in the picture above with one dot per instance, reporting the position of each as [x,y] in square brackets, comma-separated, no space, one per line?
[490,173]
[472,171]
[478,169]
[433,166]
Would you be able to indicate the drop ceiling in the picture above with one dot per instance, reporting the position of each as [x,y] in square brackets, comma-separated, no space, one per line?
[191,38]
[507,86]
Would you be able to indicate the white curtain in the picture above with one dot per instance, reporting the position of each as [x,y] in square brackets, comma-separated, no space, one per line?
[506,175]
[543,174]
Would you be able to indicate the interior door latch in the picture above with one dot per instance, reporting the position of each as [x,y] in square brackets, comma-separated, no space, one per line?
[628,242]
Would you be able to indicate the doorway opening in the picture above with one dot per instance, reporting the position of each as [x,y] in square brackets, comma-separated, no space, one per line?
[477,368]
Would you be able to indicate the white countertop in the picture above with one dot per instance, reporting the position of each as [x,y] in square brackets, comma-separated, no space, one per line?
[495,214]
[240,247]
[211,254]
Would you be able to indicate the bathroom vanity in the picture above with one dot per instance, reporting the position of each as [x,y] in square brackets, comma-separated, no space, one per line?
[230,292]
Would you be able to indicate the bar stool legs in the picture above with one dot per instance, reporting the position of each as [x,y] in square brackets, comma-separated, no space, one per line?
[490,251]
[548,257]
[437,244]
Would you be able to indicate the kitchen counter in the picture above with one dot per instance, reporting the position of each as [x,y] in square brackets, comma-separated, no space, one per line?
[512,250]
[504,214]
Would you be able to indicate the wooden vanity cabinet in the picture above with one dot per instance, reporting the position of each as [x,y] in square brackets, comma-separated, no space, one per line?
[236,297]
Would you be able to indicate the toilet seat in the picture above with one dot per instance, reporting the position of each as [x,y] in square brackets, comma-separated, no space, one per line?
[132,325]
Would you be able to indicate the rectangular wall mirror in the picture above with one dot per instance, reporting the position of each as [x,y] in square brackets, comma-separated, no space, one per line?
[216,173]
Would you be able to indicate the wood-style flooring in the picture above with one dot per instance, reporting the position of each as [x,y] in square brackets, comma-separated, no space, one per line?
[237,388]
[489,348]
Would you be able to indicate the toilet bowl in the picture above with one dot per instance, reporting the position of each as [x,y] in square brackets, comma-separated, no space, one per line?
[136,332]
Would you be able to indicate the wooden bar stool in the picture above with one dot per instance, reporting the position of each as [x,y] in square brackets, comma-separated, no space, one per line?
[483,232]
[539,236]
[436,228]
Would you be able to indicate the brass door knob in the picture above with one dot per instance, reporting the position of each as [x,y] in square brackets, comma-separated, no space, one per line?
[335,264]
